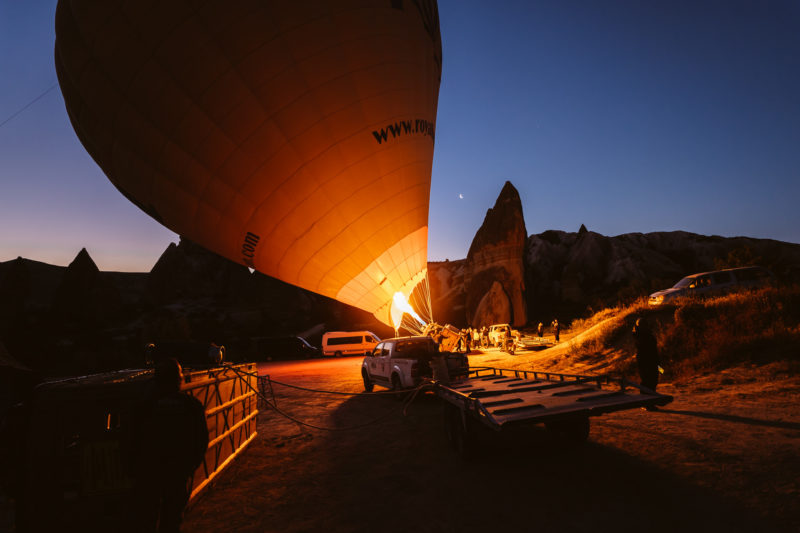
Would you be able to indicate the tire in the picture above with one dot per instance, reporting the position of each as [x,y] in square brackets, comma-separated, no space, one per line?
[368,384]
[337,354]
[396,387]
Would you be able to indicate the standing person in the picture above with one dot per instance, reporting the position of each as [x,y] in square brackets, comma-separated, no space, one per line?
[170,441]
[557,330]
[646,355]
[540,330]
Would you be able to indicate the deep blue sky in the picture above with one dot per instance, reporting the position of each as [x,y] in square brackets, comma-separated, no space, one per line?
[632,116]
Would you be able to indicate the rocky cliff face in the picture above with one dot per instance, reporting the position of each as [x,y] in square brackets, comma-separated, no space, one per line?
[189,270]
[494,272]
[570,272]
[446,281]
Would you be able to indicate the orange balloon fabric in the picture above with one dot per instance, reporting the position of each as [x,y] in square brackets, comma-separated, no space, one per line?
[295,137]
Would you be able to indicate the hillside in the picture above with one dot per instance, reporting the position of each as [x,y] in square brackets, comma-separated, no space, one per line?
[753,328]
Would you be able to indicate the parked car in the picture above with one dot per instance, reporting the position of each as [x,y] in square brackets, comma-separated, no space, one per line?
[339,343]
[502,336]
[714,283]
[402,362]
[496,331]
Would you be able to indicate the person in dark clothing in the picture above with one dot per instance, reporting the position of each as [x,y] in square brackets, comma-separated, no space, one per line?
[646,355]
[171,439]
[540,330]
[557,330]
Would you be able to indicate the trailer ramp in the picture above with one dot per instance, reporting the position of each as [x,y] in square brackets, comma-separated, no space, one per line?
[498,398]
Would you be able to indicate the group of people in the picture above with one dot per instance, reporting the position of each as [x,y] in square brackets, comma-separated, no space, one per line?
[474,338]
[556,330]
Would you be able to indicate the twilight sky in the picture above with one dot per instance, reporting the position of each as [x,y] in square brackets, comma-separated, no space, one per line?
[632,116]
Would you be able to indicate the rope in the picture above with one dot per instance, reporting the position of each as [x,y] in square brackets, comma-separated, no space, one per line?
[26,106]
[323,428]
[320,391]
[364,393]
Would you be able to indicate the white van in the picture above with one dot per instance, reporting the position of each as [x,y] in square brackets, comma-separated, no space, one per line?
[339,343]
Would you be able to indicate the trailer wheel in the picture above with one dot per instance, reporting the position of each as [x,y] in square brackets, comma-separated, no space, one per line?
[337,354]
[573,431]
[368,385]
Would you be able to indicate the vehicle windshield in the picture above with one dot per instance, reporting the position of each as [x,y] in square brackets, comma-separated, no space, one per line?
[682,284]
[415,349]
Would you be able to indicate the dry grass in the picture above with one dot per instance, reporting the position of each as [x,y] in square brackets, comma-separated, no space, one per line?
[696,336]
[755,327]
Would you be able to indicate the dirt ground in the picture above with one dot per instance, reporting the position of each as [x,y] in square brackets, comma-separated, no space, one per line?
[722,457]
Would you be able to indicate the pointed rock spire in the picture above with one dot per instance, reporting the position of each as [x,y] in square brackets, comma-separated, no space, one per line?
[494,265]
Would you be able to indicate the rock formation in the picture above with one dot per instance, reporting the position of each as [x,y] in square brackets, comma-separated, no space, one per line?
[494,272]
[84,297]
[570,272]
[446,282]
[189,270]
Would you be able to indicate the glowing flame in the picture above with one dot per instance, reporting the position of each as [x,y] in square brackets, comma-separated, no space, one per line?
[400,305]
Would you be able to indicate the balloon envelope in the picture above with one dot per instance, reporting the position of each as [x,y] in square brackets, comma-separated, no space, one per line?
[295,137]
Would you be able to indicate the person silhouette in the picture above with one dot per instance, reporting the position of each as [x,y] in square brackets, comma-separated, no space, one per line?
[170,442]
[646,355]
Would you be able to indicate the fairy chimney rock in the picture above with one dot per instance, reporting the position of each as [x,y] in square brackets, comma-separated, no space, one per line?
[494,265]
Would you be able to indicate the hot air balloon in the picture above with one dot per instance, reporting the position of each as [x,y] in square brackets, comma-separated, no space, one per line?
[295,137]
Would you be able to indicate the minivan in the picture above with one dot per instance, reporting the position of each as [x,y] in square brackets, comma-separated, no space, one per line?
[714,283]
[339,343]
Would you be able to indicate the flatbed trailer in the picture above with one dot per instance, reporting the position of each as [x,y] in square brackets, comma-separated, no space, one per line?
[499,398]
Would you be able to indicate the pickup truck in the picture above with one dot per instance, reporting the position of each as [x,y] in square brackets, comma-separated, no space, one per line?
[502,336]
[402,362]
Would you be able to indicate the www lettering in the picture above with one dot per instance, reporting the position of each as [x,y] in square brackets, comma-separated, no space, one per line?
[249,248]
[405,127]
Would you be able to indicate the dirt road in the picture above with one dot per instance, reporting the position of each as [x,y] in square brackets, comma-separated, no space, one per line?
[722,457]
